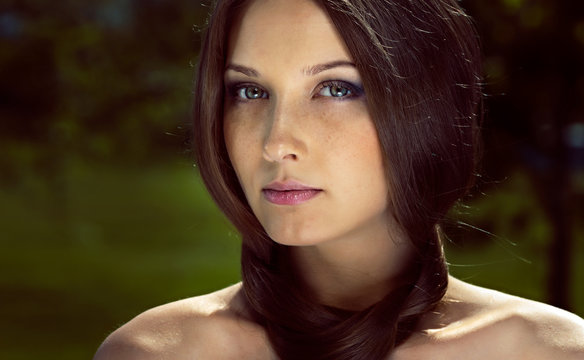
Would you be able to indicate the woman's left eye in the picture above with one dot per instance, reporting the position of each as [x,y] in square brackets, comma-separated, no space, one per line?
[337,89]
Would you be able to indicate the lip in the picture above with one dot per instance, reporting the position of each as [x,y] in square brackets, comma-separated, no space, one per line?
[289,193]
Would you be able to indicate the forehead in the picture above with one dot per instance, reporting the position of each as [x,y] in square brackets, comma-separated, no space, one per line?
[297,30]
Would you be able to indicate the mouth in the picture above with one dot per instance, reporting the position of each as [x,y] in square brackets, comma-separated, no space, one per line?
[289,193]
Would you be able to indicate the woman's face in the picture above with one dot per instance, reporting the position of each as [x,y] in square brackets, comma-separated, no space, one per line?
[297,128]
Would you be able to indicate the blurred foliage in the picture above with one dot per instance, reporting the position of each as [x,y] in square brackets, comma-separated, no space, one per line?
[101,79]
[104,216]
[535,116]
[123,240]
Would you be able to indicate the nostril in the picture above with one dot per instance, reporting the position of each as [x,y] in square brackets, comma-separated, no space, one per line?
[279,153]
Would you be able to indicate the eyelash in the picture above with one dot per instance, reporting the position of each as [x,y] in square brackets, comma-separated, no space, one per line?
[354,91]
[235,91]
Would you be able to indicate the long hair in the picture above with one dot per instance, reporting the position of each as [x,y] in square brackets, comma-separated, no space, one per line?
[420,65]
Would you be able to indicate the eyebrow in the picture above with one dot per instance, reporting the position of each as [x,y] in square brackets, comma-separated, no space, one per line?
[313,70]
[309,71]
[243,69]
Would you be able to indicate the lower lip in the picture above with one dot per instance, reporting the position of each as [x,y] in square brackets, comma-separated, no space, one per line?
[291,197]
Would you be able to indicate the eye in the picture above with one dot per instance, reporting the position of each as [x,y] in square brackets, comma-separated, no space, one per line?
[338,89]
[250,92]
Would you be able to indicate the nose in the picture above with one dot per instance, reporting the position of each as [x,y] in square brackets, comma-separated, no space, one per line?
[284,139]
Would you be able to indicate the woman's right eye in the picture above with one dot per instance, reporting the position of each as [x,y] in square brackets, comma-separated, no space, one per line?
[250,92]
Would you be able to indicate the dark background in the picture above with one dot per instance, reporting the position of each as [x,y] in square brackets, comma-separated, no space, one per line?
[102,213]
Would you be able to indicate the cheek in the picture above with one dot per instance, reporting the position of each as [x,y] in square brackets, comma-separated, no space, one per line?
[232,142]
[359,155]
[236,148]
[241,140]
[372,155]
[354,140]
[242,125]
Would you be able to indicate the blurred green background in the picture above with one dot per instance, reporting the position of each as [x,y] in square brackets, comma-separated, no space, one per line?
[103,215]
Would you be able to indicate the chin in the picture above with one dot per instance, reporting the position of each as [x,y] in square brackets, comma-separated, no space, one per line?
[296,242]
[295,238]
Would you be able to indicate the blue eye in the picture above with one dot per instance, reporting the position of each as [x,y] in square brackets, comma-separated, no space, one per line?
[338,89]
[250,93]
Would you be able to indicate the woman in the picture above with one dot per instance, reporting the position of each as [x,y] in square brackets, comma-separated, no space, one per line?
[335,135]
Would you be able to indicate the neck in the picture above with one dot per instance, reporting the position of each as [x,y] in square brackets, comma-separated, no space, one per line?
[354,273]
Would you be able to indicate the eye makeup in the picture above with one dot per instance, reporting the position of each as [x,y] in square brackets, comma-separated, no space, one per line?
[245,91]
[336,89]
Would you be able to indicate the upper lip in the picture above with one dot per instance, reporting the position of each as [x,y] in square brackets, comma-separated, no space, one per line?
[289,185]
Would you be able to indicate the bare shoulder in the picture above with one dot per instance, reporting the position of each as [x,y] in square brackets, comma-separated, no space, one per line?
[551,332]
[209,326]
[481,323]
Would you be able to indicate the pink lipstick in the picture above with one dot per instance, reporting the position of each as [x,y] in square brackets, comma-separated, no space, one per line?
[289,193]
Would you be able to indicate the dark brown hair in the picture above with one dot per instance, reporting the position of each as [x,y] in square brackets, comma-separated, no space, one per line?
[420,65]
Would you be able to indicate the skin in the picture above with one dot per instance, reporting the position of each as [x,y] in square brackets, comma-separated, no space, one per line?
[346,240]
[345,235]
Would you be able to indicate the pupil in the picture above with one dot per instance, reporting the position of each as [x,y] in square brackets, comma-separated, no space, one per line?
[338,91]
[253,93]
